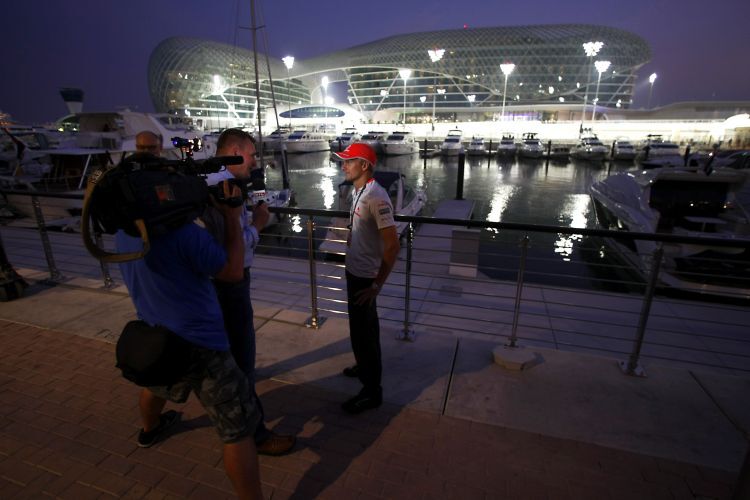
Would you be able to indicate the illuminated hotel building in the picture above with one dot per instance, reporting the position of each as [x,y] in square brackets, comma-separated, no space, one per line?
[552,75]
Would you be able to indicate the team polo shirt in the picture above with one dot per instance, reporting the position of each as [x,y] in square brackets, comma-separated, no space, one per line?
[371,211]
[170,286]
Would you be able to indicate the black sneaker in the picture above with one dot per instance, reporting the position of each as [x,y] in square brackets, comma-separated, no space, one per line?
[352,371]
[166,420]
[362,401]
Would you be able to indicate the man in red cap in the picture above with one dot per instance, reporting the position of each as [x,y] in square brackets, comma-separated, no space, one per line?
[371,252]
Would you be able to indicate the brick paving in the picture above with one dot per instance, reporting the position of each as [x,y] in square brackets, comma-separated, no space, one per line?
[68,424]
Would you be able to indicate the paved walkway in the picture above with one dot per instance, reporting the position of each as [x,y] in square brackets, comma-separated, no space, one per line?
[68,424]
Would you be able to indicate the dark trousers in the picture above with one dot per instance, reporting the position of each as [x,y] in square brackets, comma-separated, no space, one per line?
[237,309]
[364,332]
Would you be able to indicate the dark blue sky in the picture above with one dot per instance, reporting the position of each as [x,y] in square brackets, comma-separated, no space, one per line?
[700,48]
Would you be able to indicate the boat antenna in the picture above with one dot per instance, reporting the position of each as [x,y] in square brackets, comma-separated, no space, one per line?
[254,29]
[268,67]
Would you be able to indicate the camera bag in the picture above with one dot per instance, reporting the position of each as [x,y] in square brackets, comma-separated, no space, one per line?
[152,355]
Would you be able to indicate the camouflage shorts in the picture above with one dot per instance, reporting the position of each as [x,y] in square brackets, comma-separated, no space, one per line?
[222,388]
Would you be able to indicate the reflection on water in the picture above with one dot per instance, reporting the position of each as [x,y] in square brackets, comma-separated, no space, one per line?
[503,190]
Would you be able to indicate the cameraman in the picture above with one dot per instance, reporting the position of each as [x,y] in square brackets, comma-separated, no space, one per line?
[234,297]
[171,287]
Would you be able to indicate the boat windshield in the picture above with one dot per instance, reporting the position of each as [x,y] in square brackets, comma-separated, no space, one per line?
[451,139]
[395,137]
[297,135]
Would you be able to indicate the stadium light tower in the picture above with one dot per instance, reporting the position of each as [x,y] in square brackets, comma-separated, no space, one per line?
[507,69]
[289,62]
[591,49]
[651,80]
[324,83]
[435,56]
[404,74]
[601,67]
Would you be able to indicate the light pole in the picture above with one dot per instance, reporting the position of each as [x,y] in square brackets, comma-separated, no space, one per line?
[507,69]
[289,62]
[601,67]
[404,74]
[435,56]
[591,49]
[651,80]
[324,83]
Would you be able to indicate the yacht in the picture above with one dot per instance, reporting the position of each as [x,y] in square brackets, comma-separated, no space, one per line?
[451,145]
[405,200]
[507,146]
[348,136]
[275,140]
[374,139]
[530,146]
[477,147]
[589,148]
[400,143]
[730,158]
[656,152]
[623,149]
[304,141]
[686,202]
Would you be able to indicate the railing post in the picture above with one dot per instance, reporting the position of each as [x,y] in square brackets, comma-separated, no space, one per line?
[424,154]
[519,290]
[631,366]
[12,284]
[54,274]
[489,155]
[108,281]
[460,175]
[313,321]
[407,333]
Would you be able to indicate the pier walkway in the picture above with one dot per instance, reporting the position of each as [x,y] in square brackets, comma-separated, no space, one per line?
[453,425]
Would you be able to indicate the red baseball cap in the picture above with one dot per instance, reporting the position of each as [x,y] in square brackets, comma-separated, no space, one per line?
[358,150]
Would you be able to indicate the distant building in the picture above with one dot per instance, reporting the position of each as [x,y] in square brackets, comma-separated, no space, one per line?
[208,79]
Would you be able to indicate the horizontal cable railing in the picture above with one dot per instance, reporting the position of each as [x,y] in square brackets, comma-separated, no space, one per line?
[469,284]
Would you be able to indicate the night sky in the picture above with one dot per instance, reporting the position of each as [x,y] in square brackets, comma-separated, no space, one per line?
[701,49]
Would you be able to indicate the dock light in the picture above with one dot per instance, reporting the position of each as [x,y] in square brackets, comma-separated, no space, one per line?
[651,80]
[471,98]
[383,93]
[591,49]
[404,74]
[435,56]
[422,98]
[289,63]
[601,67]
[324,83]
[507,69]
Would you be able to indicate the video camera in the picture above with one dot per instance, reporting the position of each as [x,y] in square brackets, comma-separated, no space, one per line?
[148,196]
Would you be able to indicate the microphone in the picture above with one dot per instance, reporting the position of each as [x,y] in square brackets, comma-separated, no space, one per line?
[257,186]
[217,162]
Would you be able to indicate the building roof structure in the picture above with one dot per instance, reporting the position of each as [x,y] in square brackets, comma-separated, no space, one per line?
[551,66]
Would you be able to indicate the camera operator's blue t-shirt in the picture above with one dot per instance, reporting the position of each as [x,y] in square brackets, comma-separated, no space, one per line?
[170,286]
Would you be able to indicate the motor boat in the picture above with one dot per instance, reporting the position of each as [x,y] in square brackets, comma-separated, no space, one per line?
[405,200]
[589,148]
[374,139]
[451,145]
[477,147]
[623,149]
[559,153]
[507,146]
[347,137]
[304,141]
[400,143]
[730,158]
[681,201]
[275,140]
[530,146]
[656,152]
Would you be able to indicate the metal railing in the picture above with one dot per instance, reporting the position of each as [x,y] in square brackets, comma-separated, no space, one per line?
[513,292]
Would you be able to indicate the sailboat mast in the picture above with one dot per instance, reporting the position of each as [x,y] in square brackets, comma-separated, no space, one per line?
[254,28]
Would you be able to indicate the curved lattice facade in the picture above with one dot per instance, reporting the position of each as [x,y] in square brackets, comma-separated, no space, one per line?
[550,67]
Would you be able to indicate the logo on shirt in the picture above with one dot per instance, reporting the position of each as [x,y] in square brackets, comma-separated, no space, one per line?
[164,193]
